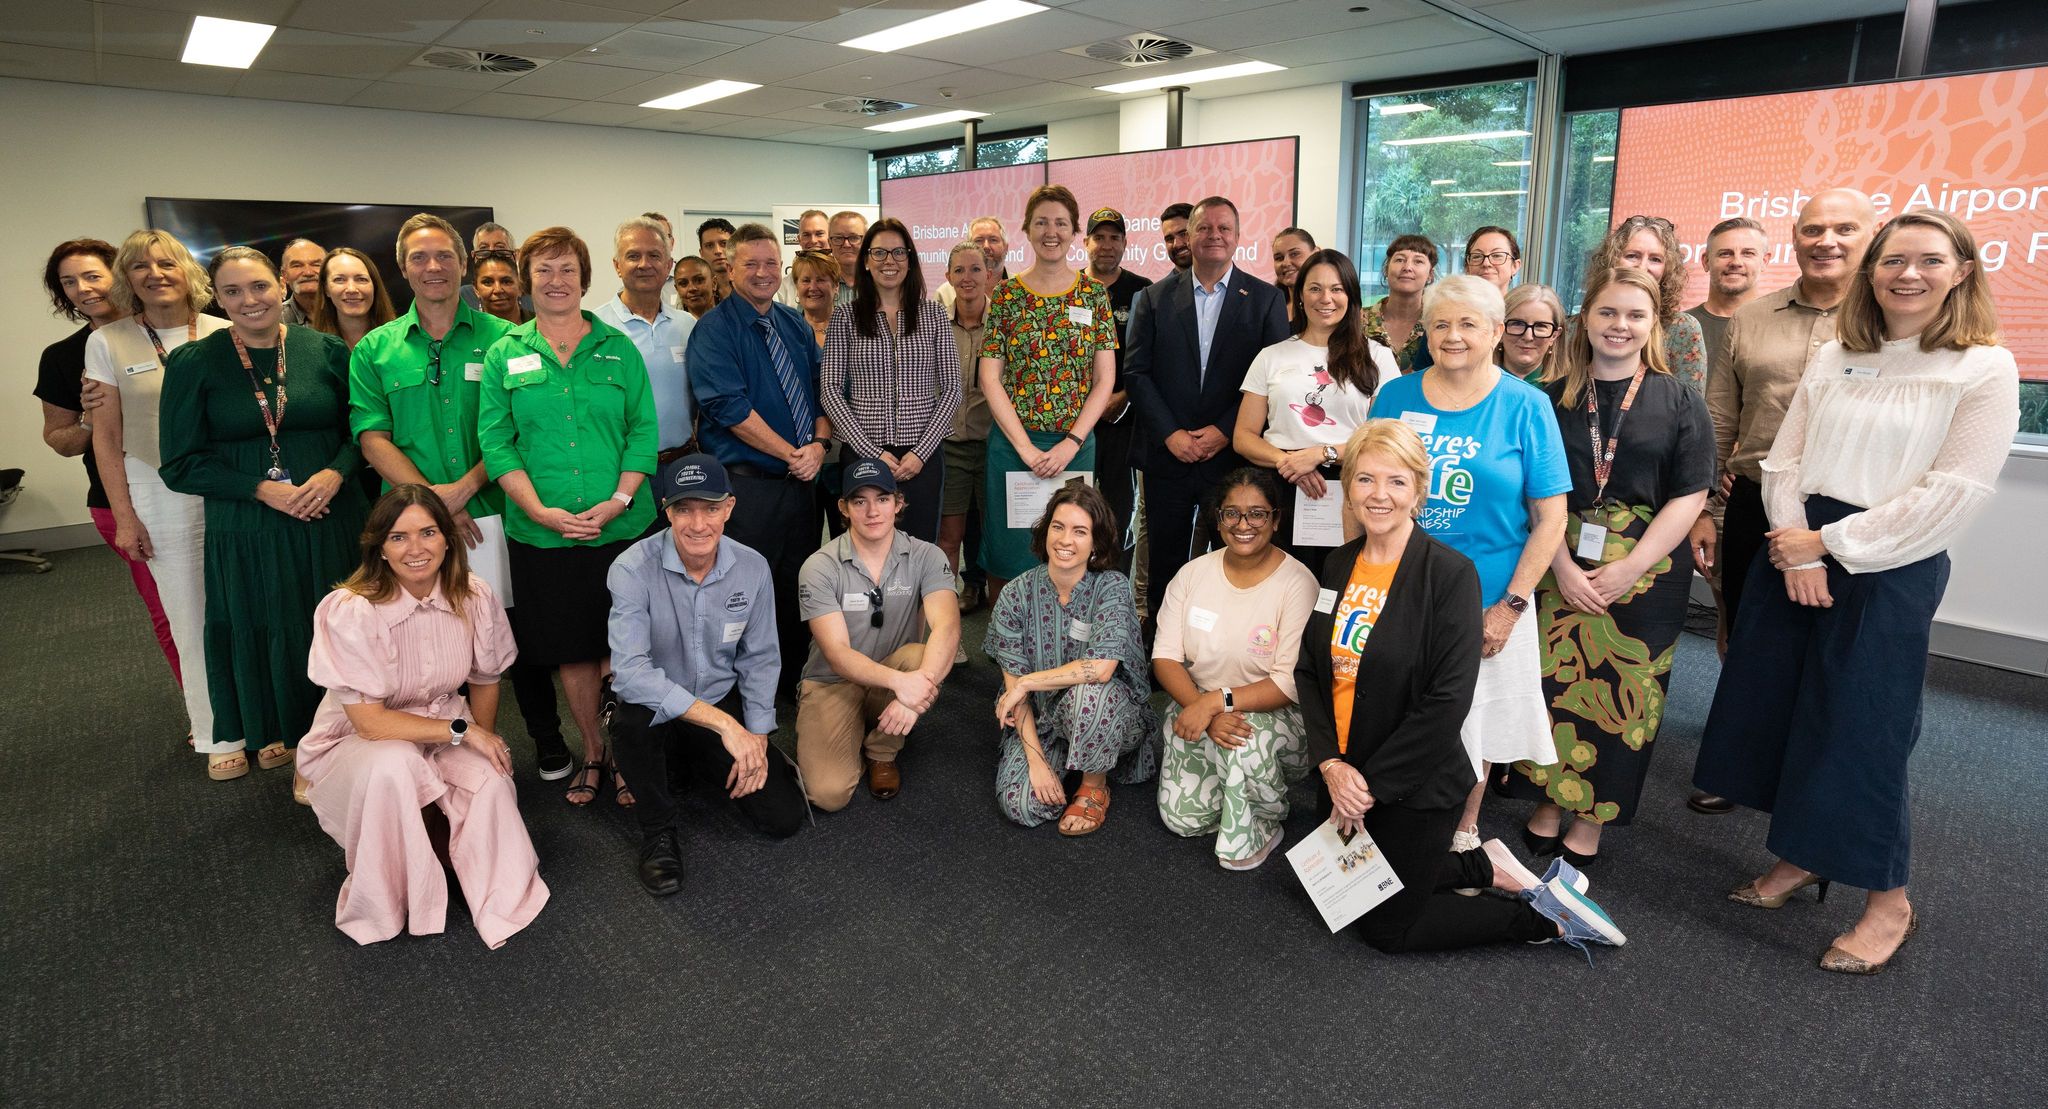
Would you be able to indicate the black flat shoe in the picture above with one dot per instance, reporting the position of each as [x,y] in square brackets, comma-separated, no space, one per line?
[661,867]
[1576,859]
[1708,804]
[1540,846]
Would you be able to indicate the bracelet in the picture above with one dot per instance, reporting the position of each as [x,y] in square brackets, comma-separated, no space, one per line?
[1072,438]
[84,424]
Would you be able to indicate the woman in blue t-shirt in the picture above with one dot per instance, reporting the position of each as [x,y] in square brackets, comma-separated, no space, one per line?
[1497,484]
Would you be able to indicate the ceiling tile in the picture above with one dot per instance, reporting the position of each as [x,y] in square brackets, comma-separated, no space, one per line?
[386,19]
[1042,93]
[167,76]
[304,87]
[420,98]
[647,87]
[1373,42]
[1054,29]
[650,50]
[781,17]
[508,26]
[66,25]
[575,80]
[856,19]
[508,105]
[1058,65]
[272,12]
[686,121]
[142,32]
[694,29]
[770,99]
[416,74]
[757,129]
[644,7]
[293,50]
[47,63]
[821,117]
[609,115]
[1164,16]
[965,85]
[864,75]
[773,60]
[1294,20]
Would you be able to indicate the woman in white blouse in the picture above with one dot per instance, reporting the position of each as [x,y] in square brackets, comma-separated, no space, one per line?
[1306,394]
[1891,445]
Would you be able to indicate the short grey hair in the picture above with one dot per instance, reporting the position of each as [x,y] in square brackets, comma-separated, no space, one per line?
[1466,291]
[489,226]
[640,223]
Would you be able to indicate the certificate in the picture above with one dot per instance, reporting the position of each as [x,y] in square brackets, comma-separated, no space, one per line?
[1027,493]
[490,559]
[1345,878]
[1319,521]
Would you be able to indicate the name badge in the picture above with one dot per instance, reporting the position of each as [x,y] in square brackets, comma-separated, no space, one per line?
[524,363]
[1592,542]
[1860,371]
[1422,423]
[675,354]
[1079,631]
[734,631]
[855,602]
[1080,317]
[1326,600]
[1201,619]
[139,368]
[472,371]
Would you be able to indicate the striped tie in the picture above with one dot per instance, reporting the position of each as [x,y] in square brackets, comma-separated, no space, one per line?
[792,386]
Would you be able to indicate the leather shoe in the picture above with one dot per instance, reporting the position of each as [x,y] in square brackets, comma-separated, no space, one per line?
[883,779]
[1708,804]
[661,866]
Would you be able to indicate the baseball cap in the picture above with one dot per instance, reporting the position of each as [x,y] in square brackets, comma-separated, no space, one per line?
[1105,215]
[867,473]
[698,476]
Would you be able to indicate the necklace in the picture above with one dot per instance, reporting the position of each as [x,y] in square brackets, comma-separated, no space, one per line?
[563,346]
[1452,402]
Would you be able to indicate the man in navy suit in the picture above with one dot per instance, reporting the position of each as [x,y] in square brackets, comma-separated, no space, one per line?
[1191,338]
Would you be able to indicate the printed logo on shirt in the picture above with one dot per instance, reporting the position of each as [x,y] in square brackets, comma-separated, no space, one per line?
[1451,485]
[736,601]
[1261,641]
[1361,608]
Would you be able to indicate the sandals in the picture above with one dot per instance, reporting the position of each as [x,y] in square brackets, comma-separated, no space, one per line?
[621,796]
[1090,806]
[226,768]
[588,782]
[273,756]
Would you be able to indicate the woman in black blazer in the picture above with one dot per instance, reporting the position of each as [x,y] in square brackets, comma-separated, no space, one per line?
[1386,670]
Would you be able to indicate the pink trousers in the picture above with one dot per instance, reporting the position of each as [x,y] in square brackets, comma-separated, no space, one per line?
[145,587]
[368,797]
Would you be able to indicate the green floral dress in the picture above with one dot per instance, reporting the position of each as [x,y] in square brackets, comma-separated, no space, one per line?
[1412,353]
[1606,677]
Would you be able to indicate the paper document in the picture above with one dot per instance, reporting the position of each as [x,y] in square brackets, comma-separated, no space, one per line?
[1319,522]
[1027,493]
[491,559]
[1345,878]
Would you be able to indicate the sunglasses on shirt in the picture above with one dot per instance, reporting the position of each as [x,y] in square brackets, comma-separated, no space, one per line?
[875,607]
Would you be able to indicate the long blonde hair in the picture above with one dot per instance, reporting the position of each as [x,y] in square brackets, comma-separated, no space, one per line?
[1967,318]
[1575,369]
[198,287]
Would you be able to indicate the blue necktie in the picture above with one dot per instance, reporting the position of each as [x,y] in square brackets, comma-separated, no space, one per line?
[792,385]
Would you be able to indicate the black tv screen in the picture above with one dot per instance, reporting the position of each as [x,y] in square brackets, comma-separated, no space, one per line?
[206,227]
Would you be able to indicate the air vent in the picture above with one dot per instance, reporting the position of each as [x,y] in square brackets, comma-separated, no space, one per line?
[863,106]
[1136,51]
[476,61]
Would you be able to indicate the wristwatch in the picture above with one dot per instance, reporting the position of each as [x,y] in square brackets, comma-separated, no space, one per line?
[1073,438]
[1330,455]
[624,499]
[457,728]
[1229,702]
[1515,602]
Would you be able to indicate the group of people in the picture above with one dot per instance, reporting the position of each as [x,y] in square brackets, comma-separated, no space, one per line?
[1428,548]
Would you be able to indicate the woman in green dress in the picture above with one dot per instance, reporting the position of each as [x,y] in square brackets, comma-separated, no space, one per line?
[254,419]
[1047,369]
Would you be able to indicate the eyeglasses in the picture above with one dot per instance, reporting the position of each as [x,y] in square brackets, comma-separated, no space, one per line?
[875,607]
[1541,329]
[1498,258]
[897,252]
[1250,515]
[847,240]
[493,254]
[1649,221]
[434,361]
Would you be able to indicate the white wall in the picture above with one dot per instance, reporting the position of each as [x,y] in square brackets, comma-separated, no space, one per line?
[79,161]
[1995,580]
[1082,138]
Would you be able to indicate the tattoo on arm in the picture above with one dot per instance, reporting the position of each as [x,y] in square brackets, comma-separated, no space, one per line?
[1088,671]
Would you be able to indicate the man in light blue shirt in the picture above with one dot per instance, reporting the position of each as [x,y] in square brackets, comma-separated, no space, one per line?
[694,668]
[640,254]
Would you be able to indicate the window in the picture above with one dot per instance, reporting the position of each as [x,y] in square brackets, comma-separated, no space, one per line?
[1006,150]
[940,160]
[1585,213]
[1442,163]
[1017,151]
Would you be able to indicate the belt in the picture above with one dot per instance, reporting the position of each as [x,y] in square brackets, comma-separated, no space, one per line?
[749,469]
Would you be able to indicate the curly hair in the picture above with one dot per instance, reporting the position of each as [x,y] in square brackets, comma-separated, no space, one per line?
[1608,256]
[1103,551]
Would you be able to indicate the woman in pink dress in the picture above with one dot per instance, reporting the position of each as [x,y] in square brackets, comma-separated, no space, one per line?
[393,646]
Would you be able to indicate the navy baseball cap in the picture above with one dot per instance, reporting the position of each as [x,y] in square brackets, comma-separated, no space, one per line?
[867,473]
[698,476]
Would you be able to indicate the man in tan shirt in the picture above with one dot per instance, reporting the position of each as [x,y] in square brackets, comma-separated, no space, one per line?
[1760,362]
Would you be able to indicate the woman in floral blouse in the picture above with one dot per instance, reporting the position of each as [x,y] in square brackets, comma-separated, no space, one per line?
[1650,244]
[1048,367]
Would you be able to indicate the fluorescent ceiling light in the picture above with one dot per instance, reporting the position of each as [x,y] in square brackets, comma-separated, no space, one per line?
[926,121]
[1405,109]
[1495,192]
[1511,165]
[1603,157]
[1445,181]
[225,42]
[1219,73]
[1474,136]
[959,21]
[690,98]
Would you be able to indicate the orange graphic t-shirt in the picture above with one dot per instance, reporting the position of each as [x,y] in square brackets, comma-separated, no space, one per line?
[1364,596]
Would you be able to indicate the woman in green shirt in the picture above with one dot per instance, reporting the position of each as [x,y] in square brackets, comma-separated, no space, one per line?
[1047,369]
[254,418]
[565,419]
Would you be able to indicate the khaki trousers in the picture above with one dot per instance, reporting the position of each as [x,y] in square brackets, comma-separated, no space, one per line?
[833,731]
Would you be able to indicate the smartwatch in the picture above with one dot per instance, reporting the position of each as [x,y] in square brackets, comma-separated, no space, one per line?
[457,728]
[1229,702]
[1330,455]
[1519,604]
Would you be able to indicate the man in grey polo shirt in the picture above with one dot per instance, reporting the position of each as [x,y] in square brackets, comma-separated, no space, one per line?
[868,597]
[694,666]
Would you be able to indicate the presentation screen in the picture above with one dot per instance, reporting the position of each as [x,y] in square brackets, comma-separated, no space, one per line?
[1259,177]
[1975,146]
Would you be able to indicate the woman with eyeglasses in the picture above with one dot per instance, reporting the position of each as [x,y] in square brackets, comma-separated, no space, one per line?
[1395,321]
[1529,344]
[1229,628]
[1650,244]
[1492,253]
[1305,395]
[889,380]
[494,274]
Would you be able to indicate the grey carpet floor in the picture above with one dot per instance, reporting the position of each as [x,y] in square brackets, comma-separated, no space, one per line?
[169,941]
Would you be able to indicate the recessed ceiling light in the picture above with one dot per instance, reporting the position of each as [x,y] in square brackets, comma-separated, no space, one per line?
[1217,73]
[1405,109]
[959,21]
[690,98]
[1512,165]
[1494,192]
[1473,136]
[225,42]
[927,121]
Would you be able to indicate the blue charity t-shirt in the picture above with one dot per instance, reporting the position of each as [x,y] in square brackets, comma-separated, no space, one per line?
[1485,464]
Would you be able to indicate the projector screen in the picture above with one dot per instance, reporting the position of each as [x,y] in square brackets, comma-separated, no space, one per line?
[1259,177]
[1975,146]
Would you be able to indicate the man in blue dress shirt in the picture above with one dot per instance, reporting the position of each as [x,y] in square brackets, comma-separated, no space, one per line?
[640,255]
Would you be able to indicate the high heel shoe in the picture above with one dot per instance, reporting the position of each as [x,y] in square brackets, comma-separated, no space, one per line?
[1841,962]
[1748,894]
[1540,846]
[1575,858]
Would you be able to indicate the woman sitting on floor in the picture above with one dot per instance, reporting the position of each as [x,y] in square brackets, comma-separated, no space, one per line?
[1065,634]
[394,646]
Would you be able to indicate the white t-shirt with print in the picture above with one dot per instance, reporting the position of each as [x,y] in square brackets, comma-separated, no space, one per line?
[1304,407]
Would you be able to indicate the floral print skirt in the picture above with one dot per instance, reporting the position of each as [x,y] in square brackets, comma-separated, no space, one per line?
[1605,678]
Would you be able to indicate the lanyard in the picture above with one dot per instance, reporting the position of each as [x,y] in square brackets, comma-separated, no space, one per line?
[155,340]
[1603,450]
[270,422]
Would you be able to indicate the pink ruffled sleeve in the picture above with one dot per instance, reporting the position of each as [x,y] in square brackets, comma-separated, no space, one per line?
[491,647]
[352,655]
